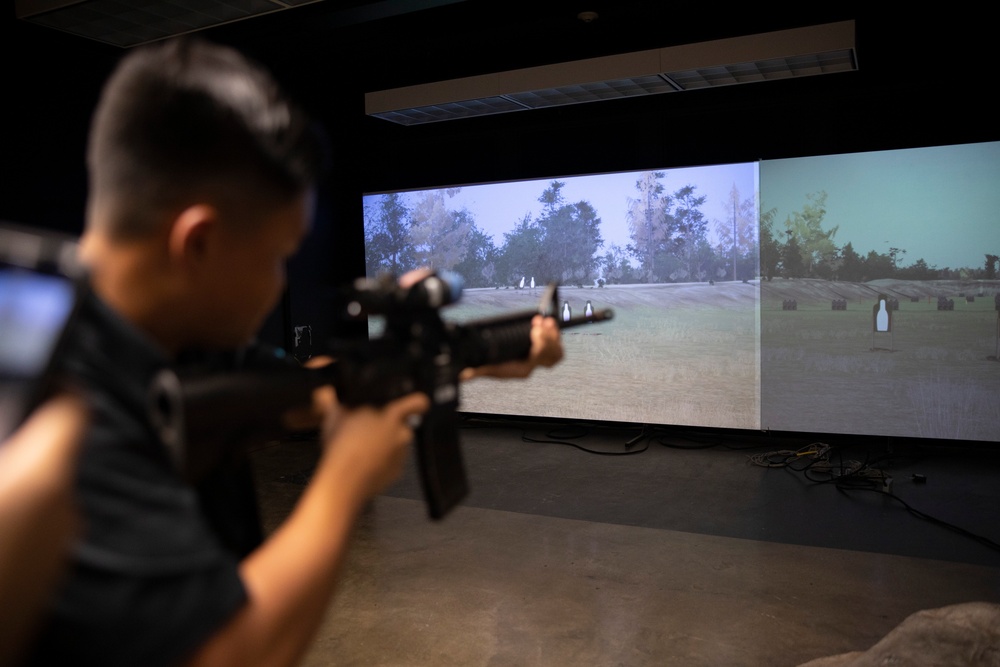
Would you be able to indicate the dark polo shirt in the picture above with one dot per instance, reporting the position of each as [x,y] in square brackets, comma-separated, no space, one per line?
[154,573]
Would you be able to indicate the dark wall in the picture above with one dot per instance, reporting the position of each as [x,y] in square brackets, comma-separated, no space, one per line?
[50,82]
[916,86]
[923,80]
[919,84]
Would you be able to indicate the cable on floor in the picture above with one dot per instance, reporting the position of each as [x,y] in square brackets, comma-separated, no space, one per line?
[923,515]
[565,436]
[815,462]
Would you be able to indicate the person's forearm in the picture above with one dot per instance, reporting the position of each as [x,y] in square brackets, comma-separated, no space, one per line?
[546,351]
[38,517]
[291,577]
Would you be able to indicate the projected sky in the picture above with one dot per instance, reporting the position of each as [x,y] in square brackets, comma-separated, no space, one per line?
[498,207]
[939,204]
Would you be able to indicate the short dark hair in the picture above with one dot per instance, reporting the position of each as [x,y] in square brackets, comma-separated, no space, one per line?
[188,118]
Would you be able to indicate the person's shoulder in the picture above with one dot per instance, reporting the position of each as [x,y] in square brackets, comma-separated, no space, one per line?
[104,348]
[110,364]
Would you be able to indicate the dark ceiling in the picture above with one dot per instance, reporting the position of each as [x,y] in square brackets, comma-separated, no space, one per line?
[378,44]
[388,43]
[922,79]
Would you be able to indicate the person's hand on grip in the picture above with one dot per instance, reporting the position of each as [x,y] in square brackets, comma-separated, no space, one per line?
[373,442]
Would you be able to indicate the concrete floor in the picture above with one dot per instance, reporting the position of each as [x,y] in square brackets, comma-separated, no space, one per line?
[491,587]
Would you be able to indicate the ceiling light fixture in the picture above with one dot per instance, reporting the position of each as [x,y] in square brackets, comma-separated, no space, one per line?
[798,52]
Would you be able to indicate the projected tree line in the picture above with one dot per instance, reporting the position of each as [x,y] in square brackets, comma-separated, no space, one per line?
[668,235]
[804,249]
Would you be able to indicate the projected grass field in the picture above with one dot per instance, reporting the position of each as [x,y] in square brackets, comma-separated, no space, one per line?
[673,354]
[935,375]
[701,266]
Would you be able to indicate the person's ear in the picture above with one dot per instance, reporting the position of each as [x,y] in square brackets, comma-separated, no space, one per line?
[191,231]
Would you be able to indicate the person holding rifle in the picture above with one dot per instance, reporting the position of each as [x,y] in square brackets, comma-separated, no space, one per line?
[202,177]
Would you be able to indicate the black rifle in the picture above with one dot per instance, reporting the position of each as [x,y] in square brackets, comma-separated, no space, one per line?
[202,416]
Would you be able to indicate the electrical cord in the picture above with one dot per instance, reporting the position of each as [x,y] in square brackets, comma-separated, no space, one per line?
[664,436]
[818,462]
[553,437]
[786,458]
[561,435]
[668,436]
[650,434]
[926,517]
[851,475]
